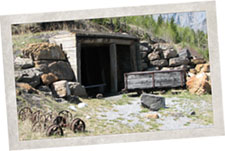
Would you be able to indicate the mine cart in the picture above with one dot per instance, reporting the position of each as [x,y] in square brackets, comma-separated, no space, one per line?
[153,80]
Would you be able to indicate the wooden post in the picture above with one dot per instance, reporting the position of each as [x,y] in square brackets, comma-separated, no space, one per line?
[133,57]
[79,62]
[113,68]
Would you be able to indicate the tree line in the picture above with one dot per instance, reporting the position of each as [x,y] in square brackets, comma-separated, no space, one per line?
[160,28]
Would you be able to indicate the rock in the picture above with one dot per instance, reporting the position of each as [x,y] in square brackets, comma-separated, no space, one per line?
[31,76]
[199,84]
[191,113]
[62,70]
[166,69]
[60,100]
[44,51]
[152,102]
[202,68]
[73,99]
[193,71]
[178,61]
[23,63]
[152,116]
[42,65]
[143,48]
[198,61]
[73,108]
[81,105]
[88,117]
[45,89]
[26,87]
[159,63]
[49,78]
[170,53]
[182,67]
[185,53]
[153,69]
[154,56]
[99,96]
[61,88]
[77,89]
[143,54]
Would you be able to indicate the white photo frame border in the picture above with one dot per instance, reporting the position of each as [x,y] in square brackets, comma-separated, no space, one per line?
[7,21]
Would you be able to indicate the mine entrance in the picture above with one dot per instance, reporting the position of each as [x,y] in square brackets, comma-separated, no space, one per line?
[123,63]
[95,68]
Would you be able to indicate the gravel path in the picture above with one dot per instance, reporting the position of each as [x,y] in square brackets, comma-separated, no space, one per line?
[176,115]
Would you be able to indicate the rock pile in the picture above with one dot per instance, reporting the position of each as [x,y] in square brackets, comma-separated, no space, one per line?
[198,80]
[162,56]
[45,68]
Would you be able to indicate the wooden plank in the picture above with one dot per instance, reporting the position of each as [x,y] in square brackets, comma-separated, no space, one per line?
[113,68]
[139,81]
[145,80]
[169,79]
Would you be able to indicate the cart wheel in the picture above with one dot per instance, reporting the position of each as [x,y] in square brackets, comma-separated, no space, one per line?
[77,125]
[25,113]
[61,121]
[66,114]
[36,116]
[54,130]
[37,126]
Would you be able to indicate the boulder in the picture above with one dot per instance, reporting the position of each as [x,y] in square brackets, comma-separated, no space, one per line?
[73,99]
[31,76]
[153,102]
[77,89]
[154,56]
[198,61]
[159,63]
[62,70]
[61,88]
[44,51]
[26,87]
[169,53]
[202,68]
[23,63]
[49,78]
[199,84]
[178,61]
[185,53]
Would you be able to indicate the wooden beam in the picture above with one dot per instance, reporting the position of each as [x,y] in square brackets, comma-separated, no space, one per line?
[106,41]
[113,68]
[133,57]
[79,62]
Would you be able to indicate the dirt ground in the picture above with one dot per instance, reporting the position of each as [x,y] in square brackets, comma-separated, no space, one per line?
[124,114]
